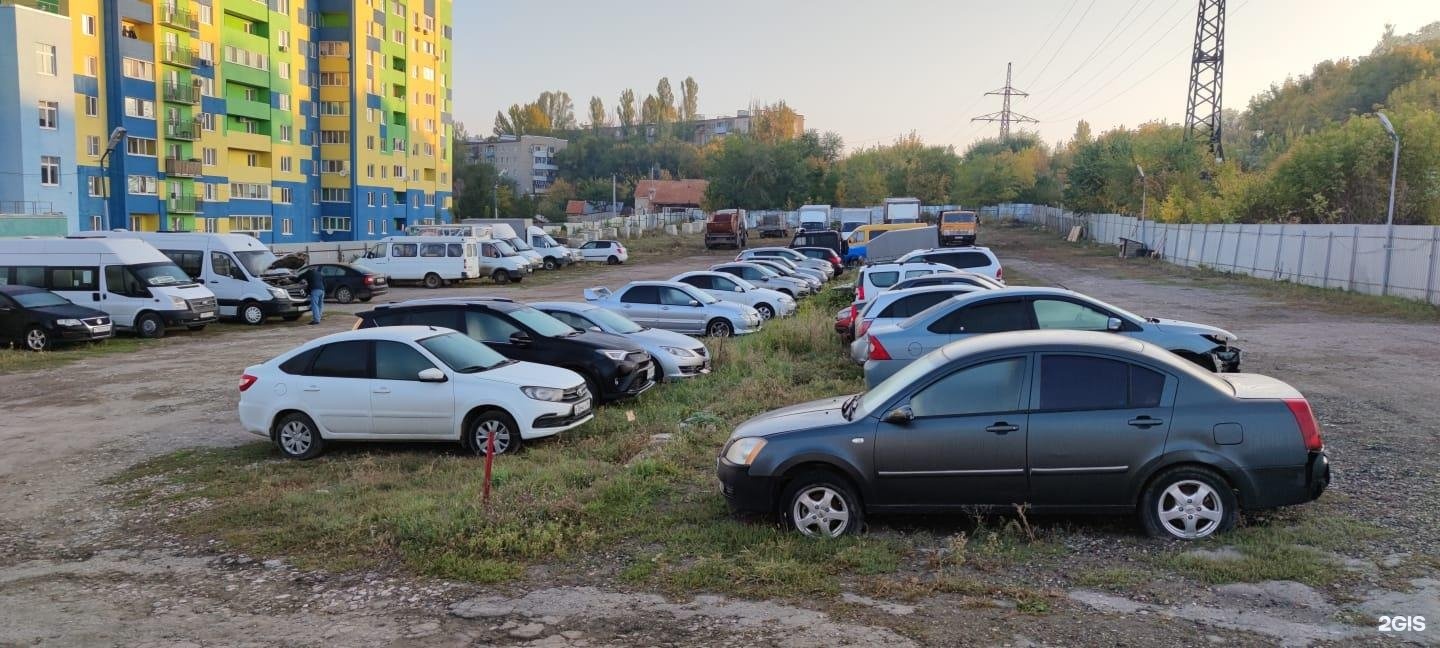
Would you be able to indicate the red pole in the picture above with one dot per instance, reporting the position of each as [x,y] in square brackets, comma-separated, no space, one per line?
[489,457]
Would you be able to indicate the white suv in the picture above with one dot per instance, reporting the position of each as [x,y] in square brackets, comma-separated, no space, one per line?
[878,278]
[979,260]
[407,383]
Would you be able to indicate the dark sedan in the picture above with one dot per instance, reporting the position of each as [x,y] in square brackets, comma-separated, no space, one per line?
[346,282]
[1059,421]
[36,319]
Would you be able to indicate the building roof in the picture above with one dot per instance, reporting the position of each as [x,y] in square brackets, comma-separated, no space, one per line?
[672,192]
[576,208]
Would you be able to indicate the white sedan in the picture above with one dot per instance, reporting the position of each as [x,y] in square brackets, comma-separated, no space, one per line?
[407,383]
[769,303]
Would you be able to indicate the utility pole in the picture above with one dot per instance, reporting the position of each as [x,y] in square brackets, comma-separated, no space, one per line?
[1006,116]
[1207,76]
[1390,212]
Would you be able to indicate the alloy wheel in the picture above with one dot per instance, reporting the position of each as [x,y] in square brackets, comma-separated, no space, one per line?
[720,328]
[295,438]
[497,428]
[36,340]
[821,511]
[1190,509]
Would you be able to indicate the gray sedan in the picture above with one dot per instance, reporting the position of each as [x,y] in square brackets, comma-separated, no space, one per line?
[1058,421]
[681,356]
[788,269]
[678,307]
[889,348]
[765,277]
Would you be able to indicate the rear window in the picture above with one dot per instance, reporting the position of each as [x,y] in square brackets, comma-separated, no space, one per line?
[883,279]
[960,217]
[961,260]
[915,304]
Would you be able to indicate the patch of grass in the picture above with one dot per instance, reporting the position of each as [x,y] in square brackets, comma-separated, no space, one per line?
[14,360]
[1286,545]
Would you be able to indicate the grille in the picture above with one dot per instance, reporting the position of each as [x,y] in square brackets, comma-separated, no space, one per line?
[576,393]
[203,304]
[96,321]
[297,293]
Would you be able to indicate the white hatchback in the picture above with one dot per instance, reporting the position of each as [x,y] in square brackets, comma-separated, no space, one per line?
[407,383]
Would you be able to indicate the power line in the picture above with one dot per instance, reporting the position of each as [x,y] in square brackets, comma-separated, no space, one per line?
[1024,66]
[1048,94]
[1006,116]
[1088,7]
[1089,82]
[1125,69]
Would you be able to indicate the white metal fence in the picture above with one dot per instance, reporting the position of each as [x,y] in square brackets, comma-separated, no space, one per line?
[1348,257]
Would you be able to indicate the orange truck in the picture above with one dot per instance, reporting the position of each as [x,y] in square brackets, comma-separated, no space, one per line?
[725,228]
[958,227]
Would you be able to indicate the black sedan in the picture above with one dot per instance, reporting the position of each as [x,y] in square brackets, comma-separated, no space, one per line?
[1059,421]
[37,319]
[345,282]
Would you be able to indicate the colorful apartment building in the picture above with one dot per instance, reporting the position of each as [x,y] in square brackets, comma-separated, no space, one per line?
[293,120]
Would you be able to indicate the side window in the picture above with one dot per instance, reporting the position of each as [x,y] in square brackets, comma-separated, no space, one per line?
[455,250]
[342,360]
[190,262]
[397,361]
[915,304]
[721,283]
[883,279]
[332,271]
[987,317]
[488,327]
[74,279]
[386,318]
[440,317]
[750,274]
[1083,383]
[910,274]
[1146,387]
[991,387]
[120,281]
[377,251]
[404,250]
[225,266]
[432,250]
[298,365]
[488,251]
[30,276]
[674,297]
[6,302]
[5,275]
[1061,314]
[589,245]
[703,282]
[641,295]
[575,321]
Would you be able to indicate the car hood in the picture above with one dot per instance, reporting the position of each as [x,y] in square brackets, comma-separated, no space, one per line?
[70,311]
[804,416]
[1170,326]
[665,338]
[528,374]
[605,341]
[732,307]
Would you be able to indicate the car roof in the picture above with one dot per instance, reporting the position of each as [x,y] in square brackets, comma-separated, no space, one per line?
[20,290]
[672,284]
[702,272]
[1034,340]
[908,265]
[967,248]
[567,306]
[498,303]
[962,289]
[392,333]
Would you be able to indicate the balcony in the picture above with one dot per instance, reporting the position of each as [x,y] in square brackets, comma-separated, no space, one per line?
[186,130]
[179,18]
[179,56]
[182,94]
[183,169]
[185,204]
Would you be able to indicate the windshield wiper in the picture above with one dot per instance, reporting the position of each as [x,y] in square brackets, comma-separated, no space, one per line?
[848,407]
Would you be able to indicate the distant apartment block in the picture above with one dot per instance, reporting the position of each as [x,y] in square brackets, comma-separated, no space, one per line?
[529,160]
[37,116]
[294,121]
[702,131]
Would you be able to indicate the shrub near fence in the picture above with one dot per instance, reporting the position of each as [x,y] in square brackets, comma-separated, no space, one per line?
[1348,257]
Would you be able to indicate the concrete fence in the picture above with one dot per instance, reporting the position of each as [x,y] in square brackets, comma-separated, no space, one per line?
[1348,257]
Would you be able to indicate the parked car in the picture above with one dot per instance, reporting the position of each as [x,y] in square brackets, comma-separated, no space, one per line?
[788,269]
[502,263]
[837,265]
[795,258]
[766,277]
[879,277]
[725,287]
[948,279]
[1059,421]
[406,383]
[979,260]
[678,307]
[679,356]
[894,306]
[889,348]
[347,282]
[610,252]
[959,227]
[844,324]
[432,260]
[613,367]
[821,238]
[555,254]
[36,319]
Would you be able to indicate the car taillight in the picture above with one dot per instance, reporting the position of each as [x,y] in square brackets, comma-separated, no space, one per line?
[1000,273]
[864,326]
[246,381]
[877,350]
[369,280]
[860,289]
[1309,425]
[834,258]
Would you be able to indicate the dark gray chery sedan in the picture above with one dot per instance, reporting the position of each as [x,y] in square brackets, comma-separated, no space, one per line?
[1059,421]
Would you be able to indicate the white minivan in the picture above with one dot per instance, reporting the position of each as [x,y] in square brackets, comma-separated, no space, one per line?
[554,254]
[141,289]
[431,260]
[238,268]
[503,232]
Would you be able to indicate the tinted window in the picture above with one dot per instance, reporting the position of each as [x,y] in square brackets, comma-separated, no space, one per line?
[342,360]
[404,250]
[488,327]
[442,317]
[589,245]
[572,319]
[1058,314]
[674,297]
[1146,387]
[397,361]
[990,387]
[960,259]
[298,365]
[455,250]
[332,271]
[432,250]
[30,276]
[74,279]
[988,317]
[883,279]
[190,262]
[462,353]
[699,281]
[914,304]
[539,322]
[641,295]
[1083,383]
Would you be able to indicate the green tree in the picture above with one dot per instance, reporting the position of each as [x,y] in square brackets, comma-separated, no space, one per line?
[558,108]
[665,102]
[625,112]
[690,103]
[598,116]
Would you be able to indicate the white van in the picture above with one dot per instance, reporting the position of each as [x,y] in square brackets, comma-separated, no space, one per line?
[238,268]
[431,260]
[141,289]
[554,254]
[504,232]
[502,263]
[814,218]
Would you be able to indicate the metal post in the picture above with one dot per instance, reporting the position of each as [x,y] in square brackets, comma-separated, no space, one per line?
[1430,276]
[1204,239]
[1255,260]
[1235,261]
[1390,213]
[1300,265]
[1329,245]
[1279,252]
[1354,252]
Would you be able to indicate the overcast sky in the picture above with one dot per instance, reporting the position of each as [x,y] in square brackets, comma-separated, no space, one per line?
[872,71]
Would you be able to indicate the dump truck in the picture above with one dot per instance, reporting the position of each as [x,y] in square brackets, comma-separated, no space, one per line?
[725,228]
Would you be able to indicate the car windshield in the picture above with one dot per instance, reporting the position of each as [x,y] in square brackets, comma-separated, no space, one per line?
[743,283]
[892,386]
[703,297]
[519,244]
[504,249]
[461,353]
[160,274]
[613,321]
[256,262]
[40,299]
[766,271]
[544,325]
[548,241]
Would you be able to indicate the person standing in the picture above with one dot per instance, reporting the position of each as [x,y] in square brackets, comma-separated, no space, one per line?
[316,284]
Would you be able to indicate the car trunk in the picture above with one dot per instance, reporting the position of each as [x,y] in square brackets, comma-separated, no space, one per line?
[1256,386]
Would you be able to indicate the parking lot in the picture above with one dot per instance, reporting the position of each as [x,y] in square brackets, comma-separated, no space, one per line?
[79,562]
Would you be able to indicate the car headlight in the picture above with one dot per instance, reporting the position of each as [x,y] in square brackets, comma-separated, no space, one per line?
[179,302]
[678,351]
[742,451]
[279,293]
[615,354]
[544,393]
[67,322]
[1221,340]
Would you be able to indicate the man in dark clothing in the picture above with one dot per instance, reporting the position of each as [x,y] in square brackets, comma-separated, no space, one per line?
[311,276]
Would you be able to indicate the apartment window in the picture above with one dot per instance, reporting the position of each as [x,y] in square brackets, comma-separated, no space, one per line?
[92,106]
[87,25]
[334,79]
[370,115]
[286,131]
[282,101]
[335,166]
[314,226]
[142,185]
[370,227]
[251,223]
[50,114]
[211,191]
[92,145]
[251,94]
[138,69]
[399,36]
[369,142]
[142,108]
[334,195]
[334,137]
[252,159]
[249,191]
[399,171]
[335,108]
[287,165]
[207,86]
[207,51]
[49,170]
[206,17]
[92,66]
[207,121]
[284,195]
[284,70]
[369,199]
[285,226]
[384,199]
[335,48]
[370,171]
[283,40]
[96,187]
[210,156]
[45,59]
[140,146]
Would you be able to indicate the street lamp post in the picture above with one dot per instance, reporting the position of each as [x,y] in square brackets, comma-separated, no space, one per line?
[115,137]
[1390,212]
[1144,198]
[496,195]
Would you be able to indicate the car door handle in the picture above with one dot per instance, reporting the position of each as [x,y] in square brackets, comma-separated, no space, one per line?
[1002,428]
[1145,422]
[312,388]
[380,390]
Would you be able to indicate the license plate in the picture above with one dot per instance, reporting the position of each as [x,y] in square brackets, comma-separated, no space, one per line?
[581,407]
[103,328]
[207,315]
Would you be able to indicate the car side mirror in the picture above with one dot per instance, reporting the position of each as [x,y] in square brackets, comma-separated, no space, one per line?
[694,303]
[432,375]
[597,329]
[520,338]
[902,415]
[1114,324]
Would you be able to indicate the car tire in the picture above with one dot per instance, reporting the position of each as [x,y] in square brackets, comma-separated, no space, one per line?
[507,433]
[149,325]
[550,264]
[613,260]
[719,328]
[344,295]
[500,277]
[432,281]
[821,504]
[36,339]
[1188,503]
[297,437]
[251,313]
[766,312]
